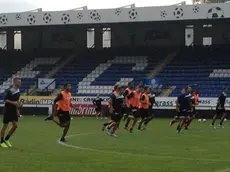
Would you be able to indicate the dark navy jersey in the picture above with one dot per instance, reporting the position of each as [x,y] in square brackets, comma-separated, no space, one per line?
[97,101]
[221,100]
[11,94]
[152,100]
[185,101]
[117,102]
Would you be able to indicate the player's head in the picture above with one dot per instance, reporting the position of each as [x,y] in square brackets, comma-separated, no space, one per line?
[196,92]
[67,87]
[140,88]
[130,85]
[147,89]
[188,89]
[16,82]
[225,90]
[98,95]
[116,87]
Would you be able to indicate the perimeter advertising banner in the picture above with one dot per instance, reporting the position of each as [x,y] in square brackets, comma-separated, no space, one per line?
[83,106]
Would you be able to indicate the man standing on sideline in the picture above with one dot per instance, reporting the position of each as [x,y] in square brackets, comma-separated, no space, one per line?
[11,112]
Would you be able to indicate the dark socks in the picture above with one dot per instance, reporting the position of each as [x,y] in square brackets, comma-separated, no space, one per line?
[127,123]
[222,120]
[2,140]
[7,137]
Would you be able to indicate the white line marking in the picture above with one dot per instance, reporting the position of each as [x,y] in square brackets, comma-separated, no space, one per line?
[225,170]
[134,154]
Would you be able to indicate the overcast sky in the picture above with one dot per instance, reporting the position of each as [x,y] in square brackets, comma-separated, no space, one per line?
[55,5]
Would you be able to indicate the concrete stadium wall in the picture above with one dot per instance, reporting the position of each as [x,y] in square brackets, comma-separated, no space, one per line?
[51,37]
[219,31]
[148,35]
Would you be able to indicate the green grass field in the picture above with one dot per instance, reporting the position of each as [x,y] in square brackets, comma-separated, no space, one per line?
[158,149]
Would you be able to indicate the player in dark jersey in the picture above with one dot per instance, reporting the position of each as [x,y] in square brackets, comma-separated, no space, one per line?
[220,108]
[153,102]
[97,102]
[184,108]
[11,112]
[195,102]
[115,89]
[116,107]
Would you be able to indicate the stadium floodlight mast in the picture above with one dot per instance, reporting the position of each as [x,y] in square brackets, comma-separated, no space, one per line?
[79,8]
[181,3]
[35,10]
[128,6]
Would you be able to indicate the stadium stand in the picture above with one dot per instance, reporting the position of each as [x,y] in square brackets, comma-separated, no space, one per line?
[207,68]
[28,66]
[97,72]
[94,72]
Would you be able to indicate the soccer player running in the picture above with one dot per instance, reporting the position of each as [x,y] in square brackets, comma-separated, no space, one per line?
[61,108]
[144,106]
[97,102]
[152,101]
[184,108]
[127,92]
[195,102]
[135,102]
[115,89]
[220,109]
[116,103]
[11,112]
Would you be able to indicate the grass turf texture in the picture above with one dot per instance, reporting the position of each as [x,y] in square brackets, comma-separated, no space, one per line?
[158,149]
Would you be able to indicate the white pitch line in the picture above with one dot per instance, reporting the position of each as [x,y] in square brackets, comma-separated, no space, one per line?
[134,154]
[225,170]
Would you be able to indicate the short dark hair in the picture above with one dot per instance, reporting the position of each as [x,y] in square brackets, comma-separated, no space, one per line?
[146,87]
[66,85]
[116,86]
[130,84]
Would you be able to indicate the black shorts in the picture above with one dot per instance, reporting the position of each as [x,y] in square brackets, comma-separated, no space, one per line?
[98,109]
[10,117]
[135,112]
[63,116]
[194,110]
[186,113]
[116,117]
[144,113]
[127,110]
[151,112]
[220,111]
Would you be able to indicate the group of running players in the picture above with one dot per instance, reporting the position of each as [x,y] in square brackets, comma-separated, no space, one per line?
[130,104]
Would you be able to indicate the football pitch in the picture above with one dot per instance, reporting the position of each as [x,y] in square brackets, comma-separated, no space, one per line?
[158,149]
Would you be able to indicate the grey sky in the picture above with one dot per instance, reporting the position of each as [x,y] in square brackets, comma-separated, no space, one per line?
[55,5]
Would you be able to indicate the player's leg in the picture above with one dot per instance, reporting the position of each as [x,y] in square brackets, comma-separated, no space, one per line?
[49,117]
[224,115]
[147,120]
[130,117]
[3,130]
[182,119]
[143,117]
[97,113]
[176,119]
[137,115]
[11,132]
[65,121]
[214,119]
